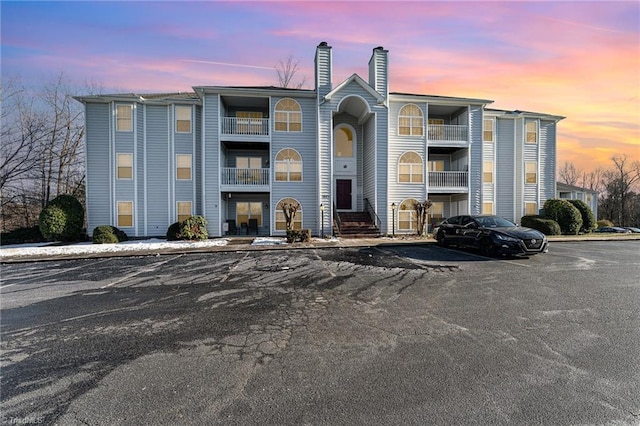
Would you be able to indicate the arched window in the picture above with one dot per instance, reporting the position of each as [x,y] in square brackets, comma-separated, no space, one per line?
[343,142]
[288,166]
[288,205]
[410,121]
[288,116]
[410,168]
[407,217]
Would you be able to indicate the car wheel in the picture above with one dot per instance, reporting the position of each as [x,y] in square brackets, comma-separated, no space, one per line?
[487,248]
[440,239]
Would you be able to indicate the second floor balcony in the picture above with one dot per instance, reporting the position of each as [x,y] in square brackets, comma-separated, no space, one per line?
[247,129]
[448,135]
[244,180]
[449,181]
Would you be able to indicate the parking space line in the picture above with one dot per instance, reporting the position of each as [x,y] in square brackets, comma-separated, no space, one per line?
[140,271]
[226,277]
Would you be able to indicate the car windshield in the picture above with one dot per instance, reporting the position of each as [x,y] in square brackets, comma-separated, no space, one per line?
[493,222]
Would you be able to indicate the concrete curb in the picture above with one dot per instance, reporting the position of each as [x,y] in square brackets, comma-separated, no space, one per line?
[246,247]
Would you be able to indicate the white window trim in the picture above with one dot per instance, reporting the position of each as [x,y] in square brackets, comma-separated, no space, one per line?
[411,119]
[288,163]
[190,167]
[288,113]
[118,214]
[178,208]
[535,163]
[176,108]
[130,106]
[298,218]
[118,154]
[493,130]
[411,165]
[526,132]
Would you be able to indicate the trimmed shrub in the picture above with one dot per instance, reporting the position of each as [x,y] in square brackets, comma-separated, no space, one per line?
[302,236]
[194,228]
[62,219]
[588,220]
[173,232]
[544,225]
[563,212]
[22,235]
[604,223]
[107,234]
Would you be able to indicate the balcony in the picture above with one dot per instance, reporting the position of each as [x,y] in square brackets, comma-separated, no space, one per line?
[445,182]
[245,129]
[448,135]
[244,180]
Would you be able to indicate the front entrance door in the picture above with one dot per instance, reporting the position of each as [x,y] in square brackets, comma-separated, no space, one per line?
[343,194]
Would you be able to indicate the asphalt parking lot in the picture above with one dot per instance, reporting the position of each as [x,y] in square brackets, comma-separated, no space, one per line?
[388,334]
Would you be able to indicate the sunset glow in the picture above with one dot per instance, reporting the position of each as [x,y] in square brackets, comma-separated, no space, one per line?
[580,60]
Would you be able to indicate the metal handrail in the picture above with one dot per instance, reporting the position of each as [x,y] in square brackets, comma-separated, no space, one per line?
[372,213]
[336,219]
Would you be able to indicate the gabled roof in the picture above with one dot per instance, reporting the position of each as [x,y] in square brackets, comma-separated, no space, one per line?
[518,113]
[358,80]
[572,188]
[438,98]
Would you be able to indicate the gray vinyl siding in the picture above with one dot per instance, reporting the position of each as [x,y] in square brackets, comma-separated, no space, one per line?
[125,143]
[305,192]
[368,157]
[504,177]
[197,155]
[530,153]
[139,173]
[518,195]
[381,138]
[183,143]
[98,165]
[158,154]
[398,145]
[475,166]
[359,130]
[211,173]
[547,165]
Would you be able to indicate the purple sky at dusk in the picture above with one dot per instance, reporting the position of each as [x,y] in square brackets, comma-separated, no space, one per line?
[576,59]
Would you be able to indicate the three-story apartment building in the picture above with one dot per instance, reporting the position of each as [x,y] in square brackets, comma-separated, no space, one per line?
[236,155]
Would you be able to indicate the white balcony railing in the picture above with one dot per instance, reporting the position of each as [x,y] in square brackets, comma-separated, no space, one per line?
[448,133]
[234,176]
[449,179]
[245,126]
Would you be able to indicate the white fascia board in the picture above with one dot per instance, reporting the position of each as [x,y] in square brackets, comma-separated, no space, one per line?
[254,91]
[437,100]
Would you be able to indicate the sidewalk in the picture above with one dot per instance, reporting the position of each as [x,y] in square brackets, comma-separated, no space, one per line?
[156,247]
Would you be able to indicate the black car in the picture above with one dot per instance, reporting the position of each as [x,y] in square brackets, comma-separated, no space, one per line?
[492,235]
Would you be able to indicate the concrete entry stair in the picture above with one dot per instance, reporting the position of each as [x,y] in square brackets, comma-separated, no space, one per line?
[357,225]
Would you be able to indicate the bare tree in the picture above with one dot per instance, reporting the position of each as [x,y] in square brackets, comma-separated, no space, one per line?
[620,183]
[41,151]
[593,180]
[569,174]
[422,211]
[289,210]
[286,69]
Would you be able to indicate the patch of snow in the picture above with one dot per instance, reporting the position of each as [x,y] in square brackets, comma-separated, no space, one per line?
[268,241]
[89,248]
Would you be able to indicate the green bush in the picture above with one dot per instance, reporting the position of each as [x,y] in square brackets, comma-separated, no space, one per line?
[194,228]
[62,219]
[303,236]
[107,234]
[173,233]
[544,225]
[604,223]
[563,212]
[22,235]
[588,220]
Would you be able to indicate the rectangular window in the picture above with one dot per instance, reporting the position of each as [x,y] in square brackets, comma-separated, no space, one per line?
[487,172]
[183,119]
[530,209]
[436,213]
[487,207]
[487,131]
[183,166]
[436,165]
[248,210]
[532,132]
[125,166]
[184,210]
[124,118]
[125,214]
[531,172]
